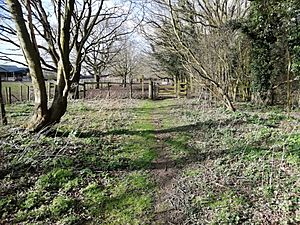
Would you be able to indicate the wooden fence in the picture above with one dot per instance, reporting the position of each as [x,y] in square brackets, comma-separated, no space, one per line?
[23,91]
[16,92]
[110,90]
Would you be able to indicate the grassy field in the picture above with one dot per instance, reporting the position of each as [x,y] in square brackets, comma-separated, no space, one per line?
[152,162]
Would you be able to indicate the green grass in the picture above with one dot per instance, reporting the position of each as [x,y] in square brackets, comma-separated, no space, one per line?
[236,166]
[83,172]
[226,207]
[96,165]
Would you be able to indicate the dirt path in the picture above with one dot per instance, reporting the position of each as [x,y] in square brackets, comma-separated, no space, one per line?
[164,171]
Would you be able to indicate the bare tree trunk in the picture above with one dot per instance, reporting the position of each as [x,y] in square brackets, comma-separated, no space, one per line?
[67,74]
[124,80]
[57,109]
[59,104]
[224,97]
[192,60]
[31,53]
[39,120]
[97,79]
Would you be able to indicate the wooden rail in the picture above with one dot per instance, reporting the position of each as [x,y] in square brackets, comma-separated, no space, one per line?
[176,90]
[17,91]
[87,85]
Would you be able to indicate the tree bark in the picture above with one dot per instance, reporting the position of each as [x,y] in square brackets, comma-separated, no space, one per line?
[124,80]
[59,103]
[41,121]
[220,91]
[66,73]
[97,79]
[32,56]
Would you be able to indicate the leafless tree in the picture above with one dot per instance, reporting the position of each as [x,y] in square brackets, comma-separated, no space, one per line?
[106,43]
[56,29]
[197,32]
[125,62]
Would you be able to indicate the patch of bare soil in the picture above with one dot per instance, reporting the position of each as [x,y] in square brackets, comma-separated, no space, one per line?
[164,171]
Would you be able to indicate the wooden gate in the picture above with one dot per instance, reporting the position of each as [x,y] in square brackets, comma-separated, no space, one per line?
[166,90]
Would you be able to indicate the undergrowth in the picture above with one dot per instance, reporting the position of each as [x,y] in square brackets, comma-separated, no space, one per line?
[240,168]
[83,171]
[95,167]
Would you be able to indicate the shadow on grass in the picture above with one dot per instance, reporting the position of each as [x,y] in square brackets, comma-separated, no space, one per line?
[126,163]
[144,109]
[199,126]
[194,154]
[91,159]
[97,162]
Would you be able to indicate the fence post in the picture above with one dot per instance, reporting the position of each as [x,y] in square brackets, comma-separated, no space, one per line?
[2,107]
[108,89]
[21,93]
[191,85]
[143,88]
[9,95]
[84,90]
[49,90]
[6,95]
[130,91]
[175,86]
[178,88]
[150,89]
[76,94]
[28,93]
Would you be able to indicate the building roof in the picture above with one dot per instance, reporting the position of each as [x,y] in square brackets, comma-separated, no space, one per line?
[12,69]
